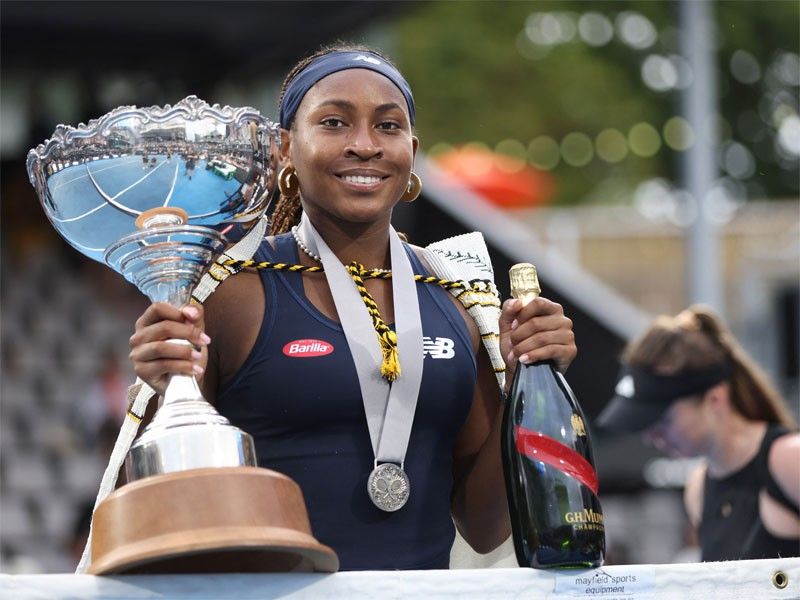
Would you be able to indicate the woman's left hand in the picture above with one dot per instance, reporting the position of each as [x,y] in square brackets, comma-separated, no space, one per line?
[535,332]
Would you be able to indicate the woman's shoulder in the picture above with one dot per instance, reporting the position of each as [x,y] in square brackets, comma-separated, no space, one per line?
[236,301]
[236,289]
[786,441]
[784,451]
[784,456]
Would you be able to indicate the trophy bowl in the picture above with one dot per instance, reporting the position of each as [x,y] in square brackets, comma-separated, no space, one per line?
[151,192]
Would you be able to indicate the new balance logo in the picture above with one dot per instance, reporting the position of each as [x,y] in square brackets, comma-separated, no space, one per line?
[438,347]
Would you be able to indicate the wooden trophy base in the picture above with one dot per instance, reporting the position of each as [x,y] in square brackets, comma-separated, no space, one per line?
[211,520]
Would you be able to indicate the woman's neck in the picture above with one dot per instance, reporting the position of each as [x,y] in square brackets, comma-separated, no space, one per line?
[366,243]
[737,442]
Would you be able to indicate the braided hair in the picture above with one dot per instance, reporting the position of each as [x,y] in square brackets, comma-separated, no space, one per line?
[287,211]
[696,339]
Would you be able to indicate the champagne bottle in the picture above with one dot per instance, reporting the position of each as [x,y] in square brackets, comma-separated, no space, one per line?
[547,457]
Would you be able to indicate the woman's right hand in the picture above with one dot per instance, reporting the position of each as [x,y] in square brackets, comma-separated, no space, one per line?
[155,358]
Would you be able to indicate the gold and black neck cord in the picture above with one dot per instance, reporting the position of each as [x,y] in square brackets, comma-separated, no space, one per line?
[390,367]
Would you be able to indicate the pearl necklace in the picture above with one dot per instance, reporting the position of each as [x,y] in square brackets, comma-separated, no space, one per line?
[301,244]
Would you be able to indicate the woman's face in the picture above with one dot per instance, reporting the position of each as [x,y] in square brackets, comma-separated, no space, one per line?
[683,430]
[352,147]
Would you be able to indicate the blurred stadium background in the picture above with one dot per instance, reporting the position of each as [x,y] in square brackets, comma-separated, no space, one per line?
[565,131]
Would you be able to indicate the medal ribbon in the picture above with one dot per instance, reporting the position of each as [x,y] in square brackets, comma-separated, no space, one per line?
[389,407]
[538,446]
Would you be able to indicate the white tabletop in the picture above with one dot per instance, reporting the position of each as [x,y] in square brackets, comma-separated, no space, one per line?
[748,580]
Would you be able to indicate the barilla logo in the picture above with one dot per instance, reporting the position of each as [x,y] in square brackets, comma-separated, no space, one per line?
[307,348]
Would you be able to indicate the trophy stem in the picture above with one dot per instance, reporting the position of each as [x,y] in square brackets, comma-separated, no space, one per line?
[183,403]
[182,388]
[165,263]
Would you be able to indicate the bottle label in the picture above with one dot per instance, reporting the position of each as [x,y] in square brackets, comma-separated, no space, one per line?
[538,446]
[586,519]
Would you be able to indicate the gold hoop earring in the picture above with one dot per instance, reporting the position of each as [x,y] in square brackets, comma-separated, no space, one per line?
[288,183]
[414,188]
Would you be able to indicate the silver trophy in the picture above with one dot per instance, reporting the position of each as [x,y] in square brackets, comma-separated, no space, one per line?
[151,192]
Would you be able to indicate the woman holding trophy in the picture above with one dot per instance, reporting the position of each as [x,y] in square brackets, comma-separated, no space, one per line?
[390,442]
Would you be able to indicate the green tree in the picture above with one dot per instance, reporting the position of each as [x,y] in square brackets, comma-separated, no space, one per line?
[478,76]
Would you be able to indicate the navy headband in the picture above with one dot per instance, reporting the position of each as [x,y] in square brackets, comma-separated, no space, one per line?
[643,396]
[334,62]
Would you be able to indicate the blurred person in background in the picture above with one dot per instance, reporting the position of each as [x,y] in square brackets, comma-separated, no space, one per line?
[690,386]
[105,402]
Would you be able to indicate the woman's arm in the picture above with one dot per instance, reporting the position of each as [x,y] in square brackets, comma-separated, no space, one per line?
[479,505]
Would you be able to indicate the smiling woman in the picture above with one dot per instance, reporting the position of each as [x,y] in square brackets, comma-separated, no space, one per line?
[371,390]
[351,149]
[394,119]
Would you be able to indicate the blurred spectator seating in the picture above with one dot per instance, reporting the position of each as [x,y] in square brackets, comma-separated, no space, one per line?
[59,337]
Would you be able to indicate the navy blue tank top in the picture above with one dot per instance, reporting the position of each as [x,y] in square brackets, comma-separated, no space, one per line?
[298,395]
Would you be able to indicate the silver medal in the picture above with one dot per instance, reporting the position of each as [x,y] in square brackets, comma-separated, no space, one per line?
[388,487]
